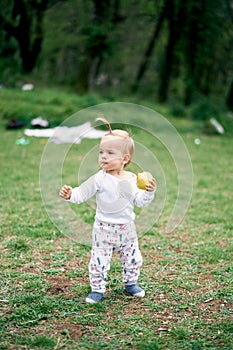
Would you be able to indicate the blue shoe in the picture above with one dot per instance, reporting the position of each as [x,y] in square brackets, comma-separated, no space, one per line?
[94,297]
[134,290]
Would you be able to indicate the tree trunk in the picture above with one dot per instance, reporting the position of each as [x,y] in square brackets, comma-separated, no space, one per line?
[29,49]
[83,76]
[175,26]
[167,69]
[167,66]
[148,53]
[229,99]
[192,42]
[96,46]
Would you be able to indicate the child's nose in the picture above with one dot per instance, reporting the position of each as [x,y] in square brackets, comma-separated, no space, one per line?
[103,156]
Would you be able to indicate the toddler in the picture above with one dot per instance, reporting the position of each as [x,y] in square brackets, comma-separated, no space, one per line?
[114,229]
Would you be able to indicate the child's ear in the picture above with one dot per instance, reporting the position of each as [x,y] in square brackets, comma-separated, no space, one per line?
[126,159]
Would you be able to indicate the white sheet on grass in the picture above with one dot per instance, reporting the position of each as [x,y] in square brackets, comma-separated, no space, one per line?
[65,134]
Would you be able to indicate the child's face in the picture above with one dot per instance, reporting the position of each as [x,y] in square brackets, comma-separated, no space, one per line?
[111,157]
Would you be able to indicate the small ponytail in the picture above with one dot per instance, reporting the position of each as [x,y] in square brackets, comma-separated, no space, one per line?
[106,122]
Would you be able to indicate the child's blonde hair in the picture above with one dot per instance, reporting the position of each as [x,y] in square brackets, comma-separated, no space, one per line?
[127,143]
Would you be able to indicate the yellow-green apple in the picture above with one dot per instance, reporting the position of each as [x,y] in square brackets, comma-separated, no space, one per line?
[143,179]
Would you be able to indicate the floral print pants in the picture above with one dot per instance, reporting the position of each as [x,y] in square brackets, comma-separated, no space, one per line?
[109,238]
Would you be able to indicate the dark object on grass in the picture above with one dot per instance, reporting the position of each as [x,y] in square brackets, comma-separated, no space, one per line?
[15,124]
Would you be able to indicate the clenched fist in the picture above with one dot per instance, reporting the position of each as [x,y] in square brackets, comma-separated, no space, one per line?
[65,192]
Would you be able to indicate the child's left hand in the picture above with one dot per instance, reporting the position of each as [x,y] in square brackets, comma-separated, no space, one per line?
[151,186]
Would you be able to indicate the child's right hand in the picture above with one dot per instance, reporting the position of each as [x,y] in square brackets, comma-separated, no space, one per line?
[65,192]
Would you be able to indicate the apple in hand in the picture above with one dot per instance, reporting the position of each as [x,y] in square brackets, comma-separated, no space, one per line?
[143,179]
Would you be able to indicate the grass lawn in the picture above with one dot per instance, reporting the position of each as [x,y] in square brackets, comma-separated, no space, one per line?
[187,274]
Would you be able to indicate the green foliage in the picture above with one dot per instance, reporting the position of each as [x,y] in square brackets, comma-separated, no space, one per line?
[18,244]
[97,40]
[99,46]
[42,342]
[205,110]
[178,110]
[51,104]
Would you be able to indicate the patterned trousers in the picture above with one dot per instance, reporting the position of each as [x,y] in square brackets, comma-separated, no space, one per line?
[109,238]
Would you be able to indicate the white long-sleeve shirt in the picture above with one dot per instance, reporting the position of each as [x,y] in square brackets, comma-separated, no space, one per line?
[115,198]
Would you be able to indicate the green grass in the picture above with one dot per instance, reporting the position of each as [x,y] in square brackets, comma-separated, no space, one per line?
[187,274]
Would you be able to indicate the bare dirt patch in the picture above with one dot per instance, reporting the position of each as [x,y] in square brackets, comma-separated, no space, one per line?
[59,284]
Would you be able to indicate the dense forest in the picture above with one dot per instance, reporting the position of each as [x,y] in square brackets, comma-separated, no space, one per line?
[161,49]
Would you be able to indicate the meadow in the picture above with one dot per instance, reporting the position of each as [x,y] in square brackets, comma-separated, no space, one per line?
[187,273]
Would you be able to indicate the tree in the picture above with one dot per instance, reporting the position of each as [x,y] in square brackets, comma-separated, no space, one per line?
[25,23]
[206,46]
[98,44]
[192,38]
[175,18]
[229,100]
[150,48]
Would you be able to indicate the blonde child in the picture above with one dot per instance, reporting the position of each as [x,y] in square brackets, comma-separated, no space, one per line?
[114,229]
